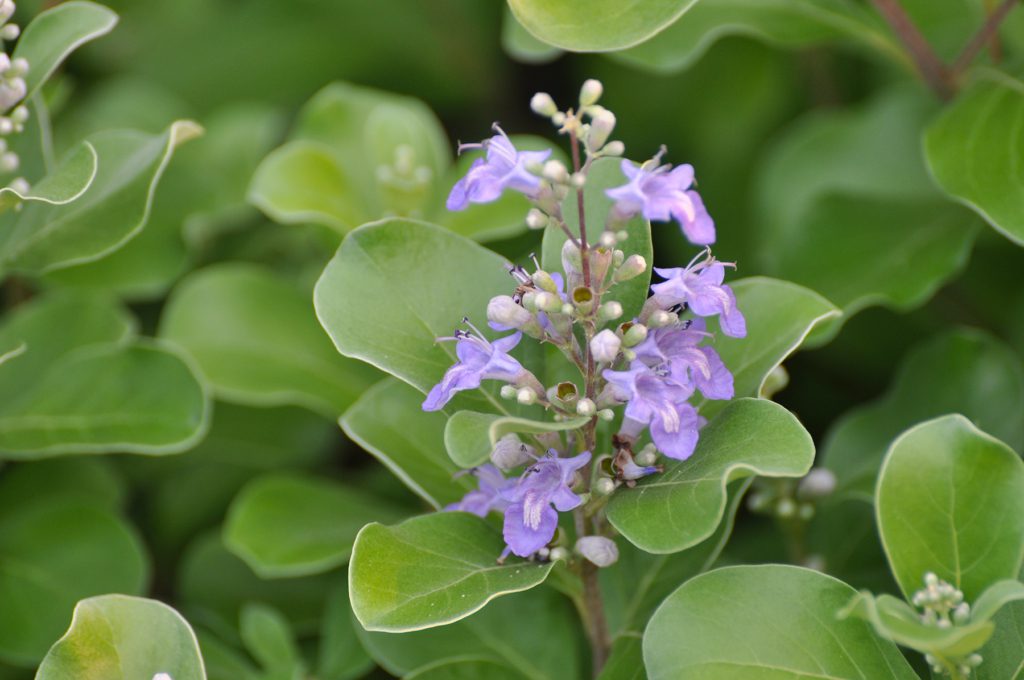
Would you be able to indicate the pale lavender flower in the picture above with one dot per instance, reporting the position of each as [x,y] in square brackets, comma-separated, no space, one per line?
[478,360]
[655,401]
[502,167]
[488,496]
[662,193]
[530,519]
[699,287]
[676,348]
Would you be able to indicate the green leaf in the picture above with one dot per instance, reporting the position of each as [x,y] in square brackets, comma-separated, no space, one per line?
[626,661]
[780,316]
[960,371]
[521,46]
[269,639]
[430,571]
[597,25]
[389,423]
[974,147]
[604,174]
[340,655]
[285,525]
[117,637]
[395,286]
[67,182]
[56,33]
[732,620]
[114,209]
[54,552]
[950,500]
[254,335]
[469,669]
[470,437]
[1005,649]
[143,398]
[682,506]
[90,480]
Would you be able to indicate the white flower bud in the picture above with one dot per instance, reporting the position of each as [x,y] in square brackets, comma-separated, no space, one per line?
[785,508]
[535,219]
[6,125]
[636,334]
[543,280]
[578,180]
[548,302]
[604,486]
[586,407]
[568,309]
[606,414]
[659,318]
[617,257]
[614,148]
[558,118]
[510,453]
[19,114]
[962,613]
[12,91]
[607,239]
[20,185]
[558,554]
[634,266]
[503,310]
[590,92]
[604,346]
[8,162]
[19,66]
[555,171]
[599,550]
[609,311]
[601,129]
[543,105]
[526,396]
[162,676]
[646,458]
[508,392]
[10,32]
[819,483]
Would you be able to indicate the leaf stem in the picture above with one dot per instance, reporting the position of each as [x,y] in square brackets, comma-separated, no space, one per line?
[929,65]
[986,34]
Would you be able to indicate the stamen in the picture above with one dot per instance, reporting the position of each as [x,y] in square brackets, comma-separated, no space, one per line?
[462,147]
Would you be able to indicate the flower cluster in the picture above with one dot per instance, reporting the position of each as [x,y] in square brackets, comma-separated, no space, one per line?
[12,91]
[645,372]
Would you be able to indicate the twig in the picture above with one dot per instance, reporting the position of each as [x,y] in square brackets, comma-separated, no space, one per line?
[985,34]
[931,67]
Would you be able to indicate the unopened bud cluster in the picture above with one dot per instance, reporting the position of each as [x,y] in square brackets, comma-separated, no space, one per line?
[942,605]
[789,501]
[12,91]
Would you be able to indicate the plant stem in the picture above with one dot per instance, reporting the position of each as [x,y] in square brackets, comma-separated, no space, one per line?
[931,67]
[987,33]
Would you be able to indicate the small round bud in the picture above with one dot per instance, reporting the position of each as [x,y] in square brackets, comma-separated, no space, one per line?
[10,32]
[660,318]
[757,502]
[504,311]
[510,452]
[646,458]
[8,161]
[578,180]
[555,171]
[931,580]
[785,508]
[535,219]
[590,92]
[815,562]
[558,118]
[19,114]
[20,185]
[621,235]
[19,66]
[819,483]
[618,257]
[606,414]
[558,554]
[508,392]
[806,512]
[6,126]
[636,334]
[586,407]
[526,396]
[543,105]
[634,266]
[974,660]
[7,8]
[601,129]
[544,281]
[604,346]
[599,550]
[548,302]
[607,239]
[614,148]
[568,309]
[603,486]
[609,311]
[962,613]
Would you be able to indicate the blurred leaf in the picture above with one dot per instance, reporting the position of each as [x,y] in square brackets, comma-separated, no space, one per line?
[114,209]
[683,506]
[1004,650]
[749,602]
[341,656]
[393,321]
[89,480]
[470,437]
[53,553]
[626,661]
[65,184]
[255,337]
[389,423]
[597,25]
[960,371]
[534,633]
[519,44]
[948,496]
[56,33]
[285,525]
[117,637]
[445,563]
[269,639]
[974,147]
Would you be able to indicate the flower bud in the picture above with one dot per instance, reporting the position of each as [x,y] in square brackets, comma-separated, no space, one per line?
[604,346]
[544,281]
[558,554]
[606,414]
[8,161]
[20,185]
[543,105]
[646,458]
[7,8]
[614,148]
[19,114]
[819,483]
[590,92]
[586,407]
[6,124]
[19,66]
[568,309]
[634,266]
[558,118]
[806,512]
[962,613]
[535,219]
[526,396]
[659,318]
[601,127]
[785,508]
[607,239]
[599,550]
[548,302]
[572,262]
[510,453]
[636,334]
[503,310]
[603,486]
[583,299]
[609,311]
[10,32]
[555,171]
[508,392]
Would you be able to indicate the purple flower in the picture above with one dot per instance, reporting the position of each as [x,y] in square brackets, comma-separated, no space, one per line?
[700,288]
[503,167]
[676,348]
[478,360]
[658,402]
[661,194]
[492,483]
[530,519]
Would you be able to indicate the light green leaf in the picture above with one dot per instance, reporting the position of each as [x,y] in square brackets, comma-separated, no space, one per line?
[768,621]
[142,398]
[468,669]
[960,371]
[1004,652]
[340,655]
[389,423]
[682,506]
[285,525]
[54,552]
[626,661]
[113,210]
[431,571]
[974,147]
[470,437]
[67,182]
[521,46]
[269,639]
[255,336]
[780,316]
[596,26]
[117,637]
[395,286]
[56,33]
[950,501]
